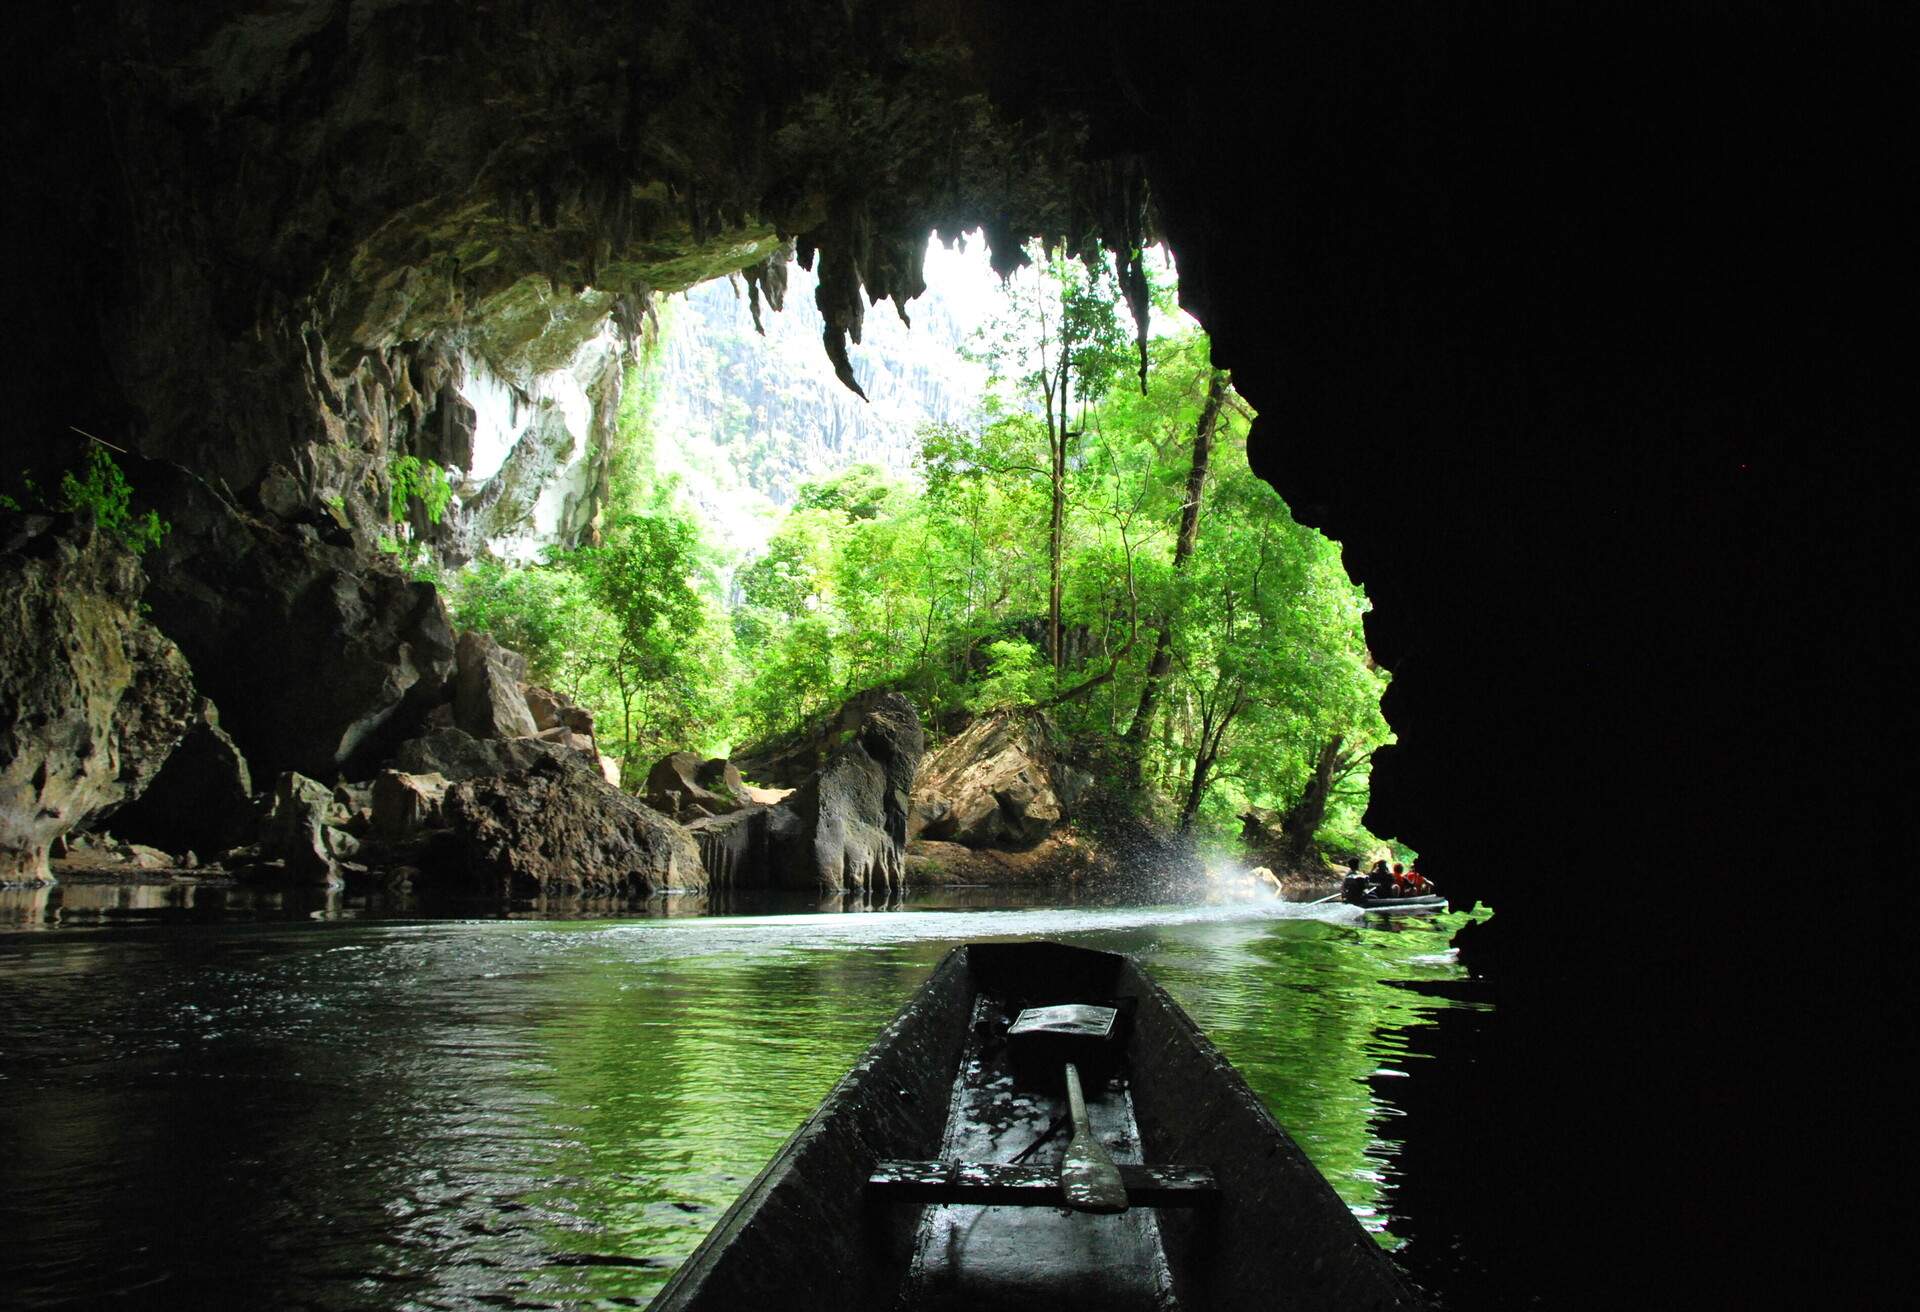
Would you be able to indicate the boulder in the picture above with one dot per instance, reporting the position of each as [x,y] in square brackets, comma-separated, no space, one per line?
[550,710]
[992,785]
[319,658]
[458,755]
[790,760]
[561,736]
[487,701]
[558,827]
[1059,858]
[202,799]
[93,697]
[734,847]
[846,828]
[405,805]
[681,785]
[295,830]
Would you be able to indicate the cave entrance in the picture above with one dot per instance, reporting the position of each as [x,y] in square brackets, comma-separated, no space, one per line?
[1019,510]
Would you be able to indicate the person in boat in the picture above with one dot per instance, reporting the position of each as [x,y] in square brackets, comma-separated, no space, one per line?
[1417,884]
[1380,880]
[1354,886]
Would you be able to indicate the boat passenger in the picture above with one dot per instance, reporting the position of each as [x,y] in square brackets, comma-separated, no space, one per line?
[1380,881]
[1416,882]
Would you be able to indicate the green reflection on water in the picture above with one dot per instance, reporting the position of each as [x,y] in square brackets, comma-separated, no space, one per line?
[449,1114]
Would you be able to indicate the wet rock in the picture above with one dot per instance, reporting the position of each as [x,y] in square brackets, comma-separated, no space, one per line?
[93,698]
[683,786]
[487,701]
[993,785]
[559,827]
[202,798]
[846,828]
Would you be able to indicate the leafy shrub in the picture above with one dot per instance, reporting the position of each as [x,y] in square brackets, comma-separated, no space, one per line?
[410,477]
[1017,675]
[98,487]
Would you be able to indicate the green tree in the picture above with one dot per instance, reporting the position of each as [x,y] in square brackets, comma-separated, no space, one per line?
[1058,340]
[644,576]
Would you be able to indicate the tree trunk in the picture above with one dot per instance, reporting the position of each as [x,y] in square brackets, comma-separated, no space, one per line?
[1056,531]
[1162,660]
[1302,820]
[1212,737]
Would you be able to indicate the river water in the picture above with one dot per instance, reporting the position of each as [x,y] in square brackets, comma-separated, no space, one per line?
[381,1113]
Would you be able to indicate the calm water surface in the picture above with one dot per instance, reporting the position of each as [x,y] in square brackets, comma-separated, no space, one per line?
[467,1114]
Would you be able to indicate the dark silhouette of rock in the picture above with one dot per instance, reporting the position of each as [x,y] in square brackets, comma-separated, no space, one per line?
[559,827]
[487,701]
[93,698]
[457,755]
[202,799]
[318,656]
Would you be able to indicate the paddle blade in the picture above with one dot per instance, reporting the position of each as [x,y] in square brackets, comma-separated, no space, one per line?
[1090,1180]
[1088,1177]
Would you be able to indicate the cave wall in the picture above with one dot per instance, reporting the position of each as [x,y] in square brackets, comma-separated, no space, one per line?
[1560,320]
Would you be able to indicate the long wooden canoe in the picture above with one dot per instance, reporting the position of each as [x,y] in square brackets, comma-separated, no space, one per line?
[927,1178]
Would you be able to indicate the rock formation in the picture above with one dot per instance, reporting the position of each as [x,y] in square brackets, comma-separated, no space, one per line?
[299,831]
[201,801]
[789,760]
[989,803]
[92,696]
[846,828]
[559,827]
[995,784]
[843,829]
[317,654]
[488,696]
[682,786]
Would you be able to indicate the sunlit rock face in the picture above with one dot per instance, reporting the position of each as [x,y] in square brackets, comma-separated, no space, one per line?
[530,469]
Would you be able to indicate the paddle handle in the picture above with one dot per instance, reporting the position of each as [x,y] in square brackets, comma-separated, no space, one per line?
[1077,1103]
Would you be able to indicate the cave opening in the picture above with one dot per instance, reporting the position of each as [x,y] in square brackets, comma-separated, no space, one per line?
[1559,321]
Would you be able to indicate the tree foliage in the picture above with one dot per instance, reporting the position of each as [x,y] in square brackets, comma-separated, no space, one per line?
[1085,547]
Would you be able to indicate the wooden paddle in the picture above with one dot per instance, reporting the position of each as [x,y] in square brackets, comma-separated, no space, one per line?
[1088,1177]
